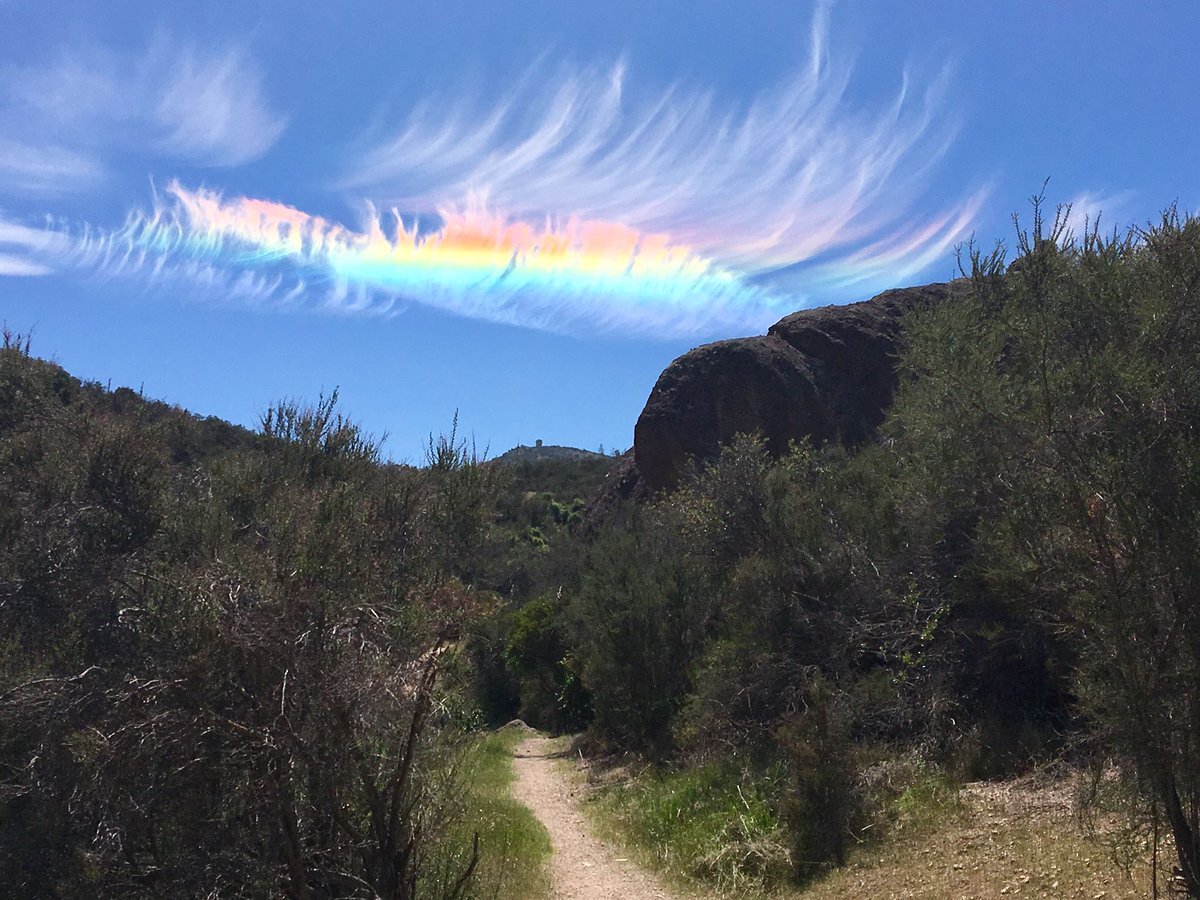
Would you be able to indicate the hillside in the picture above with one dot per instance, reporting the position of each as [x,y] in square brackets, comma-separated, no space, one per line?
[197,620]
[46,387]
[540,452]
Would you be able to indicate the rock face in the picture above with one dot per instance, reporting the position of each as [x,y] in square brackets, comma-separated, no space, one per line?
[820,374]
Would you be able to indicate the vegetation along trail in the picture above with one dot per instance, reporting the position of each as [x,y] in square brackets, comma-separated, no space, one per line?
[582,866]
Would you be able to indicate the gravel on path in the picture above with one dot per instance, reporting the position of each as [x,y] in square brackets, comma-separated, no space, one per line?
[582,866]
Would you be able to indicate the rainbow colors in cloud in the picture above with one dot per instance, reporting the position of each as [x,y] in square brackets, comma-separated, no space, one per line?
[478,263]
[575,201]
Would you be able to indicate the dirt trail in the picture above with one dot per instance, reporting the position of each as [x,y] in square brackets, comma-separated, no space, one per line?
[582,867]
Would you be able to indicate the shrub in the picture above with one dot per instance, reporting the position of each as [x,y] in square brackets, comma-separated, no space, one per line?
[226,679]
[536,652]
[1056,406]
[823,802]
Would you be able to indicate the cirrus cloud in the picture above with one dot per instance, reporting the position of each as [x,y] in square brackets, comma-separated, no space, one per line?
[579,201]
[25,251]
[797,173]
[68,120]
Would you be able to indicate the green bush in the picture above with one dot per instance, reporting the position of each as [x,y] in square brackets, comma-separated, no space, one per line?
[638,623]
[1052,413]
[536,652]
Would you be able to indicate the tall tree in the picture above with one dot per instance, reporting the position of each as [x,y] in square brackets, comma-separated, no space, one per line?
[1057,408]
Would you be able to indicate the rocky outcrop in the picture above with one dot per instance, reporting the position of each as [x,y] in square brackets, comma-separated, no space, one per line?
[717,391]
[819,374]
[610,505]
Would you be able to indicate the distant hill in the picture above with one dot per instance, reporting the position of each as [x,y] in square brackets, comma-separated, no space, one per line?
[543,452]
[567,474]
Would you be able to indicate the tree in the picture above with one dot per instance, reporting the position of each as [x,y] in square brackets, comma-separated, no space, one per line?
[1058,408]
[637,623]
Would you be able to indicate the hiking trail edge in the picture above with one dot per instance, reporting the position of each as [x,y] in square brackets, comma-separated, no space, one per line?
[582,867]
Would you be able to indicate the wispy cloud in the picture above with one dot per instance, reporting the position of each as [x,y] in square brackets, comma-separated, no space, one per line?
[1088,209]
[212,109]
[46,169]
[20,267]
[572,276]
[891,260]
[24,250]
[67,120]
[796,173]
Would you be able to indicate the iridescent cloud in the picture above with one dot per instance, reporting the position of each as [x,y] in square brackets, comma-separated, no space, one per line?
[792,175]
[576,203]
[564,276]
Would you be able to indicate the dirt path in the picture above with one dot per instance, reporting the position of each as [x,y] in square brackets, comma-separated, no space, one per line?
[581,866]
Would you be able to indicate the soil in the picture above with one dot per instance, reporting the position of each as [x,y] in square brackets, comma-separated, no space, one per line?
[582,866]
[1017,838]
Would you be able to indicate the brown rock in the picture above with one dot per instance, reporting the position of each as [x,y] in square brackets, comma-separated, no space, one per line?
[717,391]
[818,374]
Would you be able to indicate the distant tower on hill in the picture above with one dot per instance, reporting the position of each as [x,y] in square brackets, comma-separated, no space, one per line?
[538,442]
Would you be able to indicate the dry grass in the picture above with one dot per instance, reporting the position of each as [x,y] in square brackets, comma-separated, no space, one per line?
[1017,839]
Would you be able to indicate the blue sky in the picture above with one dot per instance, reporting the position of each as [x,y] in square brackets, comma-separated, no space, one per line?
[709,166]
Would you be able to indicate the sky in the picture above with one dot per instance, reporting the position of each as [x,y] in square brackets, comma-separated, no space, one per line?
[521,212]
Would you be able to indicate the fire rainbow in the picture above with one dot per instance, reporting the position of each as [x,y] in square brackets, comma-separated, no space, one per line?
[475,257]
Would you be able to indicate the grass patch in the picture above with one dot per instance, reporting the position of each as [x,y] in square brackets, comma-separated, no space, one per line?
[514,847]
[717,826]
[910,799]
[710,826]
